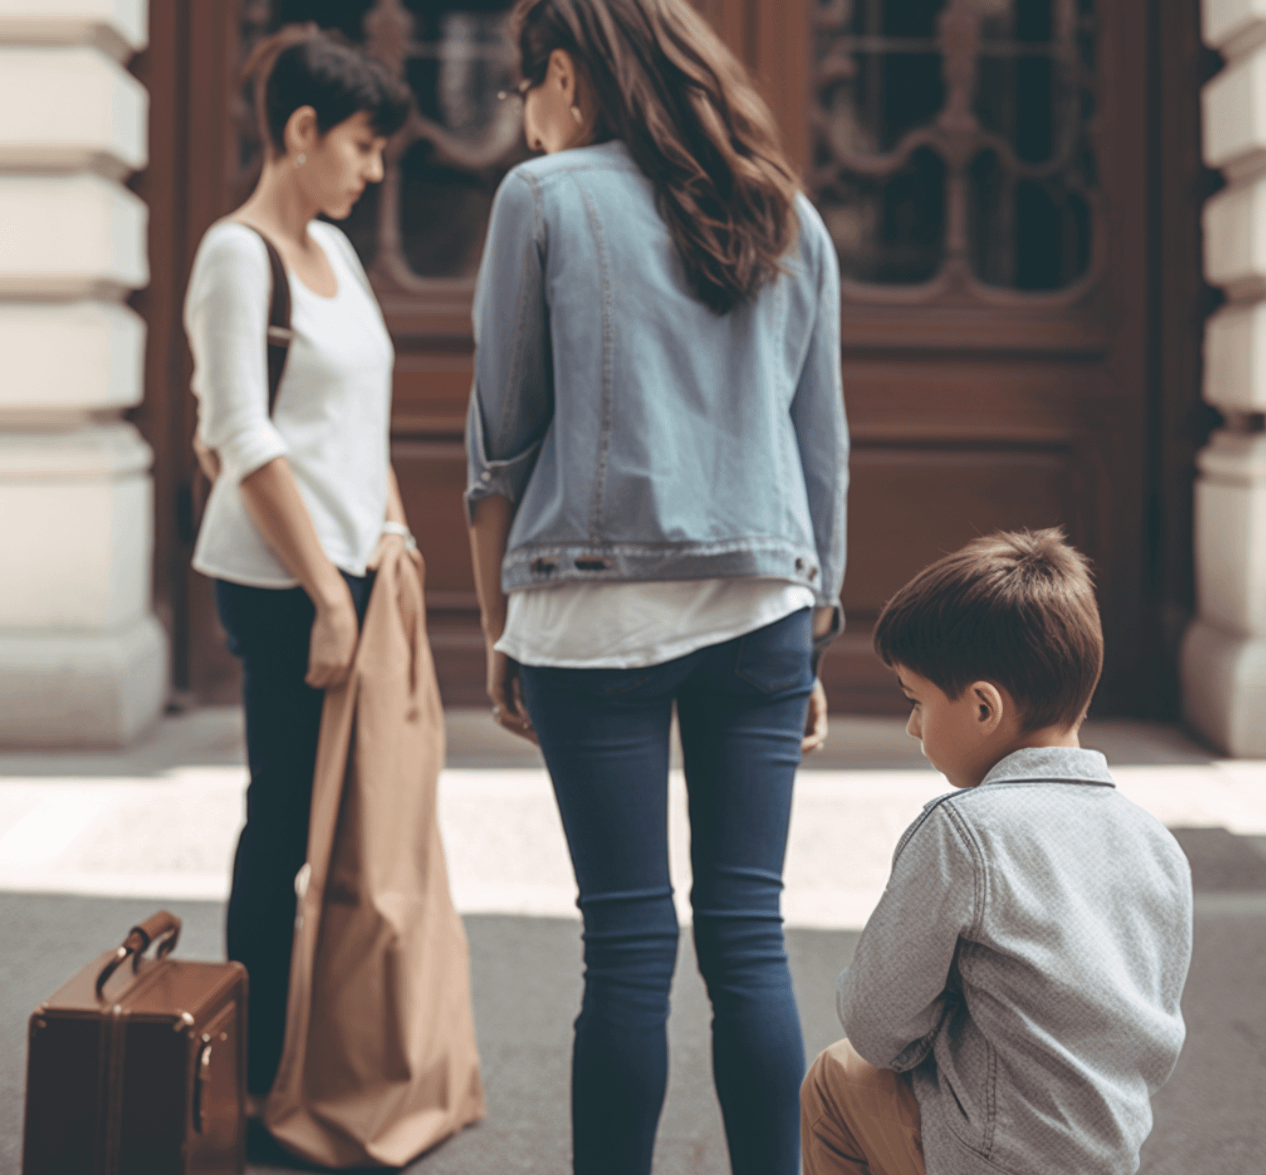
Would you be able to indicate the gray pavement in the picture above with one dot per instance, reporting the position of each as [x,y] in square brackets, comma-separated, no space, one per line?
[526,976]
[526,969]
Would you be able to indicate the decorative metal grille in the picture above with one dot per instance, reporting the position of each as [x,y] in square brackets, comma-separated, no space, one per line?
[427,219]
[953,146]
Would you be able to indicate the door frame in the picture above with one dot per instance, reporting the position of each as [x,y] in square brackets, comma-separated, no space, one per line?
[1154,350]
[1154,302]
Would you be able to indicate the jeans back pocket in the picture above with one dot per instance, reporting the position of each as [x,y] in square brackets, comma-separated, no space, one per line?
[776,658]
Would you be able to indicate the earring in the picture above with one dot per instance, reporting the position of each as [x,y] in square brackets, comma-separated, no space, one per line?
[575,113]
[300,160]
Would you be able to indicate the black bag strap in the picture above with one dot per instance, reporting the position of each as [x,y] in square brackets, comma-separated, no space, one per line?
[279,332]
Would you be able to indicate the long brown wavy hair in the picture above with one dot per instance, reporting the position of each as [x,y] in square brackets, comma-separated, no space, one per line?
[666,85]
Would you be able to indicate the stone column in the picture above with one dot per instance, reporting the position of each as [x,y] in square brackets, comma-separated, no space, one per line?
[1224,652]
[82,659]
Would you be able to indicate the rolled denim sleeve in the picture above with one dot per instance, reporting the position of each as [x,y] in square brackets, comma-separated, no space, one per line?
[817,414]
[512,400]
[226,316]
[895,995]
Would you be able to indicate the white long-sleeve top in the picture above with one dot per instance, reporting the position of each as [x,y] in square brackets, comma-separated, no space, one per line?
[332,415]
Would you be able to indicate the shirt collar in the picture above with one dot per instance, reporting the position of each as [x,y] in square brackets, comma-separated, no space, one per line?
[1051,765]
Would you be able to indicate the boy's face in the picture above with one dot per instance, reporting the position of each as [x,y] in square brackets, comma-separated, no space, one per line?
[961,736]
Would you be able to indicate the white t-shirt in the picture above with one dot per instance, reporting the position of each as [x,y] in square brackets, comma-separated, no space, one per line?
[333,409]
[632,625]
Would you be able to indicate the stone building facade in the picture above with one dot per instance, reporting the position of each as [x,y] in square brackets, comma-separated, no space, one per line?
[1039,387]
[1224,655]
[82,658]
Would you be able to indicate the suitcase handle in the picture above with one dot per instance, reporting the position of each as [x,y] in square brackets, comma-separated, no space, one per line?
[163,928]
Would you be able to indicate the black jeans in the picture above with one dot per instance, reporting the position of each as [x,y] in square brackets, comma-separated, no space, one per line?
[605,737]
[270,629]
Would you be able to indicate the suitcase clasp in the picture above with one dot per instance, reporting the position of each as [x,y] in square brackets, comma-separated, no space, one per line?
[202,1073]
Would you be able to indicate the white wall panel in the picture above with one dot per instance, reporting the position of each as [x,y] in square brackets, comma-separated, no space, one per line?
[64,108]
[70,236]
[69,357]
[118,26]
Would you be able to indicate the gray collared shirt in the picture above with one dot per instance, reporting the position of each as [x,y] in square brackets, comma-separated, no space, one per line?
[1026,963]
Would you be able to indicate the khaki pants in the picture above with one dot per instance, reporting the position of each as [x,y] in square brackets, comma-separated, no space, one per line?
[857,1119]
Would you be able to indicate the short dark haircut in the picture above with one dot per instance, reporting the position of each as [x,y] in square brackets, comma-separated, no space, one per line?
[1014,608]
[302,65]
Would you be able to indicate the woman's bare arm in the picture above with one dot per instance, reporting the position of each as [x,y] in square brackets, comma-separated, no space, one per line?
[394,513]
[395,504]
[488,536]
[272,499]
[815,726]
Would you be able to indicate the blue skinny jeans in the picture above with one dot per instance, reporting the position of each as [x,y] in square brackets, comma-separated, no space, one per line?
[605,736]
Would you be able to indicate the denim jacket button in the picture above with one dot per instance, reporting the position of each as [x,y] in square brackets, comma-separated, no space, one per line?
[485,476]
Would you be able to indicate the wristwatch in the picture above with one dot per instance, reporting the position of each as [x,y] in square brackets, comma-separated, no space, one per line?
[399,528]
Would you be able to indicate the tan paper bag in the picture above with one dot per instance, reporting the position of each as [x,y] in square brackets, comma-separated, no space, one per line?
[380,1061]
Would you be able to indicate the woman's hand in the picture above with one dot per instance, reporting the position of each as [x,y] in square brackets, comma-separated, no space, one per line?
[506,695]
[208,459]
[385,544]
[272,499]
[815,723]
[488,535]
[335,632]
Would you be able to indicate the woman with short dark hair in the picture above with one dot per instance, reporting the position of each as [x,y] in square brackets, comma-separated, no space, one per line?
[304,499]
[658,469]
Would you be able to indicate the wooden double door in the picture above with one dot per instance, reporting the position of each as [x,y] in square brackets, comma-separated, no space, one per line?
[1020,269]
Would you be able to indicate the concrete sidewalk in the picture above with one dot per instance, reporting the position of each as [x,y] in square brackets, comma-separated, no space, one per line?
[161,820]
[91,842]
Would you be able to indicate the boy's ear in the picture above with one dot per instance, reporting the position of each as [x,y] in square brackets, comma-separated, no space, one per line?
[989,706]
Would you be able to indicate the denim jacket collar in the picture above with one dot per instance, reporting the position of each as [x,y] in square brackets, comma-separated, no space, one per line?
[1051,765]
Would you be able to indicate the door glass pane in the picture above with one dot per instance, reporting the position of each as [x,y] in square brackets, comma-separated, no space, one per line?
[429,216]
[890,230]
[464,139]
[952,140]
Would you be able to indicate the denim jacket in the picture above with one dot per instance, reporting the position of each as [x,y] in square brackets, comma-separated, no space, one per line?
[640,435]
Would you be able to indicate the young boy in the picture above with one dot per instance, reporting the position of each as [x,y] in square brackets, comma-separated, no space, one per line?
[1014,999]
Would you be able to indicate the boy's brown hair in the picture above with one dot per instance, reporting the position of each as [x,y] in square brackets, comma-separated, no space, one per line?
[1014,608]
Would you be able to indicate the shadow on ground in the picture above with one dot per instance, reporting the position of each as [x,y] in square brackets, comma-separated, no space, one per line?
[212,736]
[527,987]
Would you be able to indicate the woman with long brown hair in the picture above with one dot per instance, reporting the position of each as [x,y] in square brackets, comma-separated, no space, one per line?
[658,469]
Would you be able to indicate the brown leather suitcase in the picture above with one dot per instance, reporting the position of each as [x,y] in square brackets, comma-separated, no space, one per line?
[139,1069]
